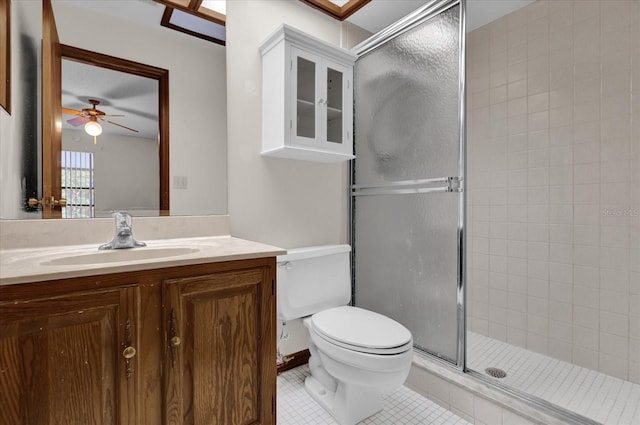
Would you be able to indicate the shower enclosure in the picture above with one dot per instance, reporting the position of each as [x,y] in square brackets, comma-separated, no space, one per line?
[407,200]
[515,258]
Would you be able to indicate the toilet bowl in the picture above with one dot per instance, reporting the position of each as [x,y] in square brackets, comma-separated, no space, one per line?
[357,355]
[354,363]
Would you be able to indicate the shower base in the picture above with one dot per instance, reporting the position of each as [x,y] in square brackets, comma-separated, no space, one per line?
[595,395]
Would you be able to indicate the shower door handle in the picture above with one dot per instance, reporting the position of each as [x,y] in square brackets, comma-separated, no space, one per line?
[440,184]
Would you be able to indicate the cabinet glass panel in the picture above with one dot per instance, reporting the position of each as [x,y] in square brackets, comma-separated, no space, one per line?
[306,95]
[334,105]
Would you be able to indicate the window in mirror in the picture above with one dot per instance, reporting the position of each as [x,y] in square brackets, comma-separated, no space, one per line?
[216,6]
[5,54]
[77,184]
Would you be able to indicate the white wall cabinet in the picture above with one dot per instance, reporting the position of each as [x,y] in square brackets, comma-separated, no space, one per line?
[307,98]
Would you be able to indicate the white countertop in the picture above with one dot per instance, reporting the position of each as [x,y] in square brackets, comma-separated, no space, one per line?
[67,261]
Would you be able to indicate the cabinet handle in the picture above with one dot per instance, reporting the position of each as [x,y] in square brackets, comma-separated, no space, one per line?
[322,101]
[174,339]
[129,351]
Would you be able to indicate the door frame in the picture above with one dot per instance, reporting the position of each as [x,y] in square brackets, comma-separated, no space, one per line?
[51,114]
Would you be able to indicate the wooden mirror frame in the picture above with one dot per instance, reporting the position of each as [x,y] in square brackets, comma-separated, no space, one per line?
[162,76]
[5,54]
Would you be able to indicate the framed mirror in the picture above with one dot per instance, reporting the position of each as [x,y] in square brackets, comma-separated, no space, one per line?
[196,170]
[69,173]
[128,162]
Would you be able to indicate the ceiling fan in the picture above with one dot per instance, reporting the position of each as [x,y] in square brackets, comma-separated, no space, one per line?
[90,116]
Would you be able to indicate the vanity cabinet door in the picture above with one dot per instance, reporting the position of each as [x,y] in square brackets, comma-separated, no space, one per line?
[220,353]
[61,359]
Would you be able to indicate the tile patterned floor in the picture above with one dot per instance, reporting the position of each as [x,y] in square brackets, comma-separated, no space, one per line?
[595,395]
[403,407]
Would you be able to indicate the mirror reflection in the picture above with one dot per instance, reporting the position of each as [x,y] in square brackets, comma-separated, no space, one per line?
[109,139]
[196,180]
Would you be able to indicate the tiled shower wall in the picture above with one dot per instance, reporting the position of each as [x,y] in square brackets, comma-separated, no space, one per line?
[553,182]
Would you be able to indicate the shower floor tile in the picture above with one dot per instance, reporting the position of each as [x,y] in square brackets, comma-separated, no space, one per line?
[404,406]
[601,397]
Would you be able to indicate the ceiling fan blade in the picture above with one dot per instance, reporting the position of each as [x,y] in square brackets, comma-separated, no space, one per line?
[77,121]
[70,111]
[110,115]
[119,125]
[148,115]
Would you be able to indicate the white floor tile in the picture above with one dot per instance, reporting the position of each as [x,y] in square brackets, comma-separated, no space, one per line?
[403,407]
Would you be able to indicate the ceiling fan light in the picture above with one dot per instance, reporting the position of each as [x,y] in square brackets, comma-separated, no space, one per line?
[93,128]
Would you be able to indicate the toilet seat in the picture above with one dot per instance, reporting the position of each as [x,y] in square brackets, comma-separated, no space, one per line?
[361,330]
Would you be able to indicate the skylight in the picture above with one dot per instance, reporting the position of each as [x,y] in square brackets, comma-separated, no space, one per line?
[196,26]
[206,19]
[219,6]
[338,9]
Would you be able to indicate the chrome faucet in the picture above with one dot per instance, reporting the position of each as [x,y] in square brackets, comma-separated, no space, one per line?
[124,233]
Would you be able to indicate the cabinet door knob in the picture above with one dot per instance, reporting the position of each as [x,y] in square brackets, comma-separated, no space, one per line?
[129,353]
[174,339]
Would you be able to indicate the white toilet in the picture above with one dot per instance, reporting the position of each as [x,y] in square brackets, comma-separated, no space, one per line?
[356,355]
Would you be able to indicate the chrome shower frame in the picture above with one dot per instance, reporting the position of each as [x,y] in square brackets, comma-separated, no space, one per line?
[405,24]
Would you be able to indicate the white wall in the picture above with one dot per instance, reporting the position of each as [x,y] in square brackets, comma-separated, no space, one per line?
[283,202]
[9,170]
[126,170]
[16,130]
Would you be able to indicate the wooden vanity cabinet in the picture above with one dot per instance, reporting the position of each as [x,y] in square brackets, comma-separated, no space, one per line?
[182,345]
[60,362]
[218,369]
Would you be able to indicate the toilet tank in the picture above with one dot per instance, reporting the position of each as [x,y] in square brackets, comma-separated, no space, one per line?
[313,279]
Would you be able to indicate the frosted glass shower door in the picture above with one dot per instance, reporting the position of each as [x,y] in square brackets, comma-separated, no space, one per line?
[407,215]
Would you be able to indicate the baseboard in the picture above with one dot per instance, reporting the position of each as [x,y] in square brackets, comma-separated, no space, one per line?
[293,360]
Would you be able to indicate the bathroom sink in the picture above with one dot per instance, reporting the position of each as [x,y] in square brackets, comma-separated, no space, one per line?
[120,255]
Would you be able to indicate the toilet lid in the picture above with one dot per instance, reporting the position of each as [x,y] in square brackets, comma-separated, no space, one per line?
[359,328]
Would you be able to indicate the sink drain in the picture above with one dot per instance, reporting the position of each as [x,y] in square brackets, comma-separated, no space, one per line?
[495,372]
